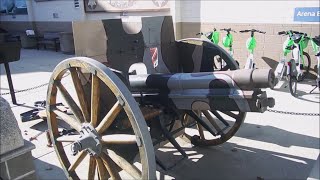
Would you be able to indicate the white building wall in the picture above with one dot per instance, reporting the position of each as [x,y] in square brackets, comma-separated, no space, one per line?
[129,17]
[43,11]
[275,12]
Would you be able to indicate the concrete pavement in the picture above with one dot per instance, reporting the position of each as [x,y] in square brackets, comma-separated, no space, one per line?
[269,145]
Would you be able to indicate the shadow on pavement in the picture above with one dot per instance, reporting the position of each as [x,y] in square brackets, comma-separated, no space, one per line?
[279,136]
[48,171]
[304,94]
[231,161]
[274,135]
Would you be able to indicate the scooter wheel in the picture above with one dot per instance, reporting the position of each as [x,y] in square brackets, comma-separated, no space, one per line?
[293,83]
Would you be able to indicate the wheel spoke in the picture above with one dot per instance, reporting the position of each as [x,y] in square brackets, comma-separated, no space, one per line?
[212,121]
[68,119]
[200,129]
[124,164]
[80,93]
[201,122]
[103,174]
[78,160]
[186,118]
[83,78]
[71,138]
[72,105]
[95,100]
[92,168]
[119,139]
[231,114]
[111,166]
[220,118]
[109,118]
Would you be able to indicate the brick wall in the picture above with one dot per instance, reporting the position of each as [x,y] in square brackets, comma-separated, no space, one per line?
[267,53]
[269,45]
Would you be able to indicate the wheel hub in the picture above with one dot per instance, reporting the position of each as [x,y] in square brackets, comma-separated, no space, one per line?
[89,140]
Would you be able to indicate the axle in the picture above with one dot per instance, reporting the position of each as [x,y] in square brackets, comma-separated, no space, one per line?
[89,140]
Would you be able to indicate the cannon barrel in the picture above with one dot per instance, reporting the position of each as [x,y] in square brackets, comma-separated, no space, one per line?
[246,79]
[237,90]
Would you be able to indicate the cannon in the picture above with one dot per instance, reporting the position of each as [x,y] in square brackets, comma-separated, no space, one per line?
[144,89]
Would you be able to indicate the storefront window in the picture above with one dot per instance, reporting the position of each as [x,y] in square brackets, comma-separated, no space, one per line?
[13,6]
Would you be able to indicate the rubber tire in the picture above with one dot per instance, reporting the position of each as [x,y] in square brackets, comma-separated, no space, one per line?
[293,83]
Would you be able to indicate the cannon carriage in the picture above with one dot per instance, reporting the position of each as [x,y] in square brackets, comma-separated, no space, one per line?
[146,88]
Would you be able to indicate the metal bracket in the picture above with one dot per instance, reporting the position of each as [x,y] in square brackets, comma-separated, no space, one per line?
[89,141]
[121,101]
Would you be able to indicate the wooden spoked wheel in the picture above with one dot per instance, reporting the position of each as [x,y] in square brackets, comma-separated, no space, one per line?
[99,105]
[221,126]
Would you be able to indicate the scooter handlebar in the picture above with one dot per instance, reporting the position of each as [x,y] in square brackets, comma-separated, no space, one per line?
[290,32]
[228,30]
[282,33]
[252,30]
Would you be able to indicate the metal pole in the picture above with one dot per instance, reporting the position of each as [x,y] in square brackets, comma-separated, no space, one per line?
[13,97]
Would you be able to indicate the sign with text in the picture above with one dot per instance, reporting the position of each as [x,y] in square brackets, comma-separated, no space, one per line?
[307,14]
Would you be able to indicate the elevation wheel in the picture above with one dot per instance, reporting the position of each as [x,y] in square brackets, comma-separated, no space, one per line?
[220,127]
